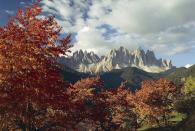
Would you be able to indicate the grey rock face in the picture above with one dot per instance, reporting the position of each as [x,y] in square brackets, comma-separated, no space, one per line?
[116,59]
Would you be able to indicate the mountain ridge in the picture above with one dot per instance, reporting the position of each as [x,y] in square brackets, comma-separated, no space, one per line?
[89,62]
[133,75]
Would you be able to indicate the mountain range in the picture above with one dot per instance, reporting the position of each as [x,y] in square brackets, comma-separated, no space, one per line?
[133,75]
[121,65]
[89,62]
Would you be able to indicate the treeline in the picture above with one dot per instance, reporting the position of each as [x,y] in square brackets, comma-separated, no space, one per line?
[33,96]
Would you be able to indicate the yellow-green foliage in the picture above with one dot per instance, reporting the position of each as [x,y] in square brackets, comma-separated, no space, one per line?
[189,86]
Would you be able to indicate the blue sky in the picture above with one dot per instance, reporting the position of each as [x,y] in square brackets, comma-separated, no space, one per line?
[9,7]
[165,26]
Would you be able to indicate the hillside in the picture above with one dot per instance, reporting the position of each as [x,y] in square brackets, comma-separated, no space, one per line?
[133,75]
[178,74]
[70,75]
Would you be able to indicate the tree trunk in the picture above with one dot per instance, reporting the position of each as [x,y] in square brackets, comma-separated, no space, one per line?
[165,120]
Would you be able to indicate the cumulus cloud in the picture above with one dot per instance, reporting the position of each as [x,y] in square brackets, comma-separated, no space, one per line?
[70,14]
[141,16]
[165,26]
[91,39]
[174,40]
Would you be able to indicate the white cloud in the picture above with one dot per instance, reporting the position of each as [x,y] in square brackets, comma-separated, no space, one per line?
[188,65]
[91,39]
[143,16]
[9,12]
[165,26]
[174,40]
[85,29]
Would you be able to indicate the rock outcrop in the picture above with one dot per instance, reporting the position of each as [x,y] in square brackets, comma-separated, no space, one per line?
[83,61]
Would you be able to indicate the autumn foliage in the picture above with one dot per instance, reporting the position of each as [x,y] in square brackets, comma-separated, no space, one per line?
[119,108]
[34,97]
[104,109]
[155,99]
[30,80]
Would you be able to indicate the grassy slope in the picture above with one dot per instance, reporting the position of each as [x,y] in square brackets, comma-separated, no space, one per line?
[177,74]
[188,124]
[174,119]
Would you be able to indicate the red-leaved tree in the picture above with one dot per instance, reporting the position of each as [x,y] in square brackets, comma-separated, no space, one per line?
[97,108]
[30,83]
[155,99]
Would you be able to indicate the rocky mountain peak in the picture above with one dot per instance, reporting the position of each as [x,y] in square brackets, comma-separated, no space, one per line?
[84,61]
[150,54]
